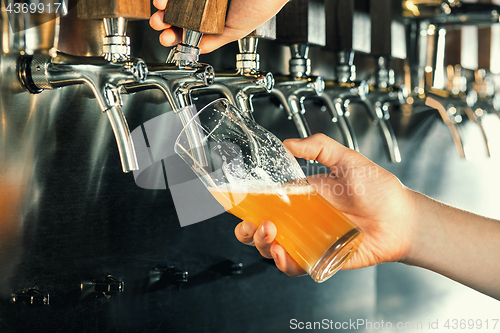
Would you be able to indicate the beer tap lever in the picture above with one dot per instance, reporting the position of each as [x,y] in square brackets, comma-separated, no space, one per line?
[195,18]
[182,73]
[299,25]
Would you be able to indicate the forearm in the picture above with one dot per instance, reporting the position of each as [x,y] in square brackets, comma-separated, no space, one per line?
[458,244]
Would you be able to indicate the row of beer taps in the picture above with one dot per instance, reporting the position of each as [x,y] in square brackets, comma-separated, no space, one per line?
[445,87]
[182,75]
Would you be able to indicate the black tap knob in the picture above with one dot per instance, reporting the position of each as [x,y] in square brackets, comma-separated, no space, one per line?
[31,297]
[107,286]
[228,268]
[168,274]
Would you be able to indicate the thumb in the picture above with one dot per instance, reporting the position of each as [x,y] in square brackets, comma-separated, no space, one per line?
[321,148]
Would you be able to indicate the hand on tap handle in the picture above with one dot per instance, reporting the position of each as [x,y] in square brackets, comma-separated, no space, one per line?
[243,17]
[400,225]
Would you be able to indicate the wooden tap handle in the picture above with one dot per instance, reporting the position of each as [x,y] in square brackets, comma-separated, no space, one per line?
[485,44]
[348,25]
[388,29]
[99,9]
[453,47]
[302,22]
[206,16]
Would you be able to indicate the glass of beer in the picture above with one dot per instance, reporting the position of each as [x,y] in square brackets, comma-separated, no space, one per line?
[253,176]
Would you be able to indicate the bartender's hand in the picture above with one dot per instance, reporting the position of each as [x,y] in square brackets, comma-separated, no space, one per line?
[399,224]
[372,198]
[243,17]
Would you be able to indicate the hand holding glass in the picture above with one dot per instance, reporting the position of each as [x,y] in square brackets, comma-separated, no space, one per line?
[254,177]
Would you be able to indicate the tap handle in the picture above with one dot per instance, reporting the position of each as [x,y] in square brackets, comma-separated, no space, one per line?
[248,59]
[388,31]
[348,25]
[484,46]
[205,16]
[100,9]
[302,22]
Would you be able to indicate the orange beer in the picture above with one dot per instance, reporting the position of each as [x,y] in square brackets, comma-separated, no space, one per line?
[315,234]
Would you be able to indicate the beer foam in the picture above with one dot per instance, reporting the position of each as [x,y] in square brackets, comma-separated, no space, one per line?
[259,188]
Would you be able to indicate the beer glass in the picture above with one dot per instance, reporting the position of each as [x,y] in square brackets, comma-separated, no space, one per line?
[254,177]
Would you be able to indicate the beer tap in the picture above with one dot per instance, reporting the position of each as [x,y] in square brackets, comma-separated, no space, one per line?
[179,76]
[241,84]
[182,73]
[105,75]
[382,96]
[291,90]
[348,32]
[459,104]
[387,27]
[422,46]
[455,93]
[433,31]
[299,24]
[299,31]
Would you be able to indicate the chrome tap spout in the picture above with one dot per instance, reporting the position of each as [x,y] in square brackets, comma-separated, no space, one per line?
[379,99]
[377,105]
[291,90]
[177,79]
[291,94]
[294,108]
[436,103]
[105,78]
[338,106]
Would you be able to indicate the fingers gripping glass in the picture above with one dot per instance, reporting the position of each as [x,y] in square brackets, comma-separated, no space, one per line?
[254,177]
